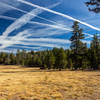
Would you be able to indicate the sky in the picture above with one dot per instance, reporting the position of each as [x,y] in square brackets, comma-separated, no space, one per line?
[43,24]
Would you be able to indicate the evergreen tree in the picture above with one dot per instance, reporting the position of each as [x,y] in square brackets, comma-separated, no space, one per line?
[18,57]
[70,64]
[7,60]
[95,52]
[95,43]
[55,52]
[50,60]
[62,62]
[12,59]
[77,45]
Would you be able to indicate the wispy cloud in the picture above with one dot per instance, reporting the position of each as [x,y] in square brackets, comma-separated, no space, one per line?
[13,40]
[48,40]
[52,45]
[26,12]
[4,8]
[23,39]
[8,18]
[49,27]
[26,47]
[45,42]
[21,21]
[60,14]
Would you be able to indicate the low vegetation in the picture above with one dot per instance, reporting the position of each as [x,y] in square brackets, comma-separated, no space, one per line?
[18,83]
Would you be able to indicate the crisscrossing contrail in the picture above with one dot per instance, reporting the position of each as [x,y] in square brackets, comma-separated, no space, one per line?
[58,13]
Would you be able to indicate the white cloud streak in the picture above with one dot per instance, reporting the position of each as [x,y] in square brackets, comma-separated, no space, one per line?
[21,21]
[13,40]
[8,18]
[50,40]
[60,14]
[48,25]
[4,8]
[61,27]
[42,42]
[26,47]
[21,38]
[48,31]
[26,12]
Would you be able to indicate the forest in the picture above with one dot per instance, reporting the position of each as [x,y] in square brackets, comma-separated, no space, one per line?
[78,57]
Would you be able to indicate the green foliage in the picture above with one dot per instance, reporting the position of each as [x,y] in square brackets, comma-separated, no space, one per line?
[95,52]
[77,46]
[78,57]
[70,64]
[62,62]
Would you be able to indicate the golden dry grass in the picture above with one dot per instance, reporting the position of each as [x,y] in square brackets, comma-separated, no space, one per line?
[17,83]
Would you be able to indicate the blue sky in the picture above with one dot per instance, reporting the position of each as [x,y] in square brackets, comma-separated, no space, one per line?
[43,24]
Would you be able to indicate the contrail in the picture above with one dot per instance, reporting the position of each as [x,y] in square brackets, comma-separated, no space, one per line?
[23,11]
[23,20]
[58,13]
[41,44]
[43,24]
[33,22]
[50,40]
[52,26]
[26,47]
[11,18]
[8,18]
[20,22]
[12,40]
[34,42]
[30,43]
[26,12]
[13,7]
[51,32]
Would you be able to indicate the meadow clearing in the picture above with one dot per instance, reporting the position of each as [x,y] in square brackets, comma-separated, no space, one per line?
[18,83]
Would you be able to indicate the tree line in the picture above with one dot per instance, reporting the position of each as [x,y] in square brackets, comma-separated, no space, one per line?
[79,56]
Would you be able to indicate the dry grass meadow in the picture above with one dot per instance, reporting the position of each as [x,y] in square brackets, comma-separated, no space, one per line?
[17,83]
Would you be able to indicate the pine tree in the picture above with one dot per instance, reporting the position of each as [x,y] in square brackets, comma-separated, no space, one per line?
[70,64]
[95,43]
[50,60]
[18,57]
[95,52]
[12,59]
[77,45]
[62,62]
[7,60]
[55,53]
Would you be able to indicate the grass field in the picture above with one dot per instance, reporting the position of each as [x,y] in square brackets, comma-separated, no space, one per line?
[17,83]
